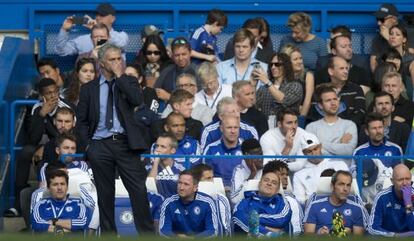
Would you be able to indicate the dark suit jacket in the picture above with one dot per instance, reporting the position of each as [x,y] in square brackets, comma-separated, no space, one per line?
[127,95]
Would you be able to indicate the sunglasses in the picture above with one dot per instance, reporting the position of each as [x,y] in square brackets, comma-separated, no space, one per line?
[179,41]
[276,64]
[148,52]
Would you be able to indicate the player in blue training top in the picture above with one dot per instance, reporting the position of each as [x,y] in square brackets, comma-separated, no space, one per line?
[204,39]
[212,131]
[165,170]
[378,145]
[392,213]
[188,213]
[273,210]
[227,145]
[60,213]
[319,217]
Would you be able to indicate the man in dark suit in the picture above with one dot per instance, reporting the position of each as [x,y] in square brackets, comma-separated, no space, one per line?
[113,139]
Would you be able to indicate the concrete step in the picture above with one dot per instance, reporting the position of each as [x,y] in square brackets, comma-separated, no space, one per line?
[12,225]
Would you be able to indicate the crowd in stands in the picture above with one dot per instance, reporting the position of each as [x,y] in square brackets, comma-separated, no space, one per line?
[307,98]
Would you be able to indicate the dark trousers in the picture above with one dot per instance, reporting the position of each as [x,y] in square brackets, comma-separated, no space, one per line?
[107,155]
[23,163]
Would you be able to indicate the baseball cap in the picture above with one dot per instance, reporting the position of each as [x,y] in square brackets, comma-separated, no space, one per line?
[309,140]
[385,10]
[369,172]
[150,30]
[105,9]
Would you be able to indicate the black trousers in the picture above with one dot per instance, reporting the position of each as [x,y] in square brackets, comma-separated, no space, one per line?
[107,155]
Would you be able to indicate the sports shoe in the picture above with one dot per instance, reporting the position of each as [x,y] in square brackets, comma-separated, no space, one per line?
[11,213]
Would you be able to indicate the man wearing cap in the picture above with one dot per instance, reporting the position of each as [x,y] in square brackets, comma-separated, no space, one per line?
[374,173]
[105,14]
[319,216]
[337,135]
[392,213]
[306,180]
[249,169]
[387,16]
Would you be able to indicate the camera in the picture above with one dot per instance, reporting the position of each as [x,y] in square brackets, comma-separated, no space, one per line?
[101,41]
[205,49]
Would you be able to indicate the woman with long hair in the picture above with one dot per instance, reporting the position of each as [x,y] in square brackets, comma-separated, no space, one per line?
[83,73]
[303,75]
[280,88]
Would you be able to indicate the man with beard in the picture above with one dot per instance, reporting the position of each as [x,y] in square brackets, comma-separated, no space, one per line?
[394,131]
[377,144]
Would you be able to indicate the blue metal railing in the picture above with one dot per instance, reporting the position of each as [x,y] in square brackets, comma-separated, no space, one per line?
[12,145]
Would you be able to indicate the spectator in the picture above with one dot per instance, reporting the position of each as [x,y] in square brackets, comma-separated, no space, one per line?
[204,39]
[115,140]
[310,45]
[245,96]
[404,109]
[48,68]
[84,72]
[268,205]
[394,131]
[196,215]
[153,57]
[181,55]
[342,46]
[382,69]
[212,131]
[240,67]
[187,145]
[100,36]
[301,74]
[392,211]
[377,144]
[151,99]
[227,145]
[398,41]
[319,217]
[165,170]
[260,52]
[105,14]
[350,94]
[212,91]
[338,136]
[249,169]
[200,112]
[305,181]
[60,213]
[387,16]
[265,41]
[285,139]
[279,90]
[181,102]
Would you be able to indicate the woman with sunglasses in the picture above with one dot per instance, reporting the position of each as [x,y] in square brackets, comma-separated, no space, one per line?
[280,89]
[304,76]
[153,57]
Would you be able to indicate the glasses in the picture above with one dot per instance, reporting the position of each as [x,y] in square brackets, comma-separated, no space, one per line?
[148,52]
[276,64]
[186,86]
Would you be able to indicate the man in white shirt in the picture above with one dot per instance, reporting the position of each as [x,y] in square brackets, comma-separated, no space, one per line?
[305,181]
[285,139]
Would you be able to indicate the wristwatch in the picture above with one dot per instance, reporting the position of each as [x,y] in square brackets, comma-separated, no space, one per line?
[54,220]
[268,84]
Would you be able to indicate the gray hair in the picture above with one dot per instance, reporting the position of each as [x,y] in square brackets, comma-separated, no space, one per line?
[237,86]
[225,101]
[186,75]
[102,51]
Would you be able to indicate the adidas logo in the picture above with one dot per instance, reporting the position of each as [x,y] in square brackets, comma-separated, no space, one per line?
[177,211]
[323,210]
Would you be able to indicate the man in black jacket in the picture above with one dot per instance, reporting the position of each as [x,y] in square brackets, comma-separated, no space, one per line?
[113,138]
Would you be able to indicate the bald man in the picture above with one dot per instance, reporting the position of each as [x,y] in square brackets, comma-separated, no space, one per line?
[392,211]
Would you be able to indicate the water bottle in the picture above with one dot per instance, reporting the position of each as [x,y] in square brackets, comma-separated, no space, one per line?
[253,223]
